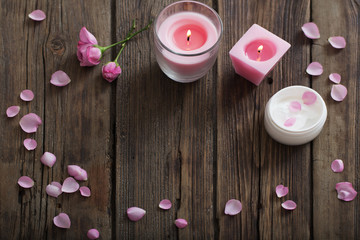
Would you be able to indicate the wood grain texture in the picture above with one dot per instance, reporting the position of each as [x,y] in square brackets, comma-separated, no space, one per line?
[148,109]
[144,137]
[17,205]
[340,137]
[77,123]
[76,127]
[250,164]
[164,138]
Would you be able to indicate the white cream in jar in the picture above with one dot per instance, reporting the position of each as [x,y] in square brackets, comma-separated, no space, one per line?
[295,115]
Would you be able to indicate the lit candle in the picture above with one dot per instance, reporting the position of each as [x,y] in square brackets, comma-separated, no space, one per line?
[295,115]
[256,53]
[187,37]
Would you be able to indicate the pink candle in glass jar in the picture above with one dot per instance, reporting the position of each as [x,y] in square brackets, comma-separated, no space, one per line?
[187,40]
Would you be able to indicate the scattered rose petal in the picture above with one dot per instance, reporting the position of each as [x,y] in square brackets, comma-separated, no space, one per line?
[48,159]
[345,191]
[74,170]
[295,106]
[309,98]
[335,77]
[135,213]
[281,191]
[337,165]
[82,176]
[60,79]
[290,122]
[311,30]
[233,207]
[30,144]
[27,95]
[93,234]
[12,111]
[70,185]
[85,191]
[338,92]
[62,220]
[53,189]
[25,182]
[77,172]
[165,204]
[337,42]
[37,15]
[314,69]
[289,205]
[181,223]
[30,122]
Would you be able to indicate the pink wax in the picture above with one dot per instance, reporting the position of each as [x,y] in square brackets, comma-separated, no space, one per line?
[256,53]
[189,37]
[172,32]
[184,58]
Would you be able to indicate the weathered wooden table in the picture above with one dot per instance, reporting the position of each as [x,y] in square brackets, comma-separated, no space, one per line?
[145,137]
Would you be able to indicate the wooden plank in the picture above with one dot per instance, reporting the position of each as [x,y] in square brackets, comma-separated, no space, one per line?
[335,219]
[77,118]
[164,140]
[76,125]
[17,204]
[250,164]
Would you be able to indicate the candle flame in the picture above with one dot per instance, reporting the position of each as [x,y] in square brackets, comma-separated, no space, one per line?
[188,34]
[260,48]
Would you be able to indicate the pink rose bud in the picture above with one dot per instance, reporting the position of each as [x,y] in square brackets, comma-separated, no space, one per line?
[111,71]
[87,53]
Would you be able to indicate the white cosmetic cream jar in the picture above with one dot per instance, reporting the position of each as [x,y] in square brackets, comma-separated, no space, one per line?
[295,115]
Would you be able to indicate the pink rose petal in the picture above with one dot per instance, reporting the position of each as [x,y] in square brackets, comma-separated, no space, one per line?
[12,111]
[290,122]
[30,144]
[165,204]
[337,42]
[93,234]
[25,182]
[295,106]
[314,69]
[48,159]
[233,207]
[309,98]
[337,165]
[289,205]
[338,92]
[77,172]
[335,77]
[74,170]
[53,189]
[62,221]
[345,191]
[70,185]
[281,191]
[27,95]
[85,191]
[135,213]
[82,176]
[181,223]
[30,122]
[60,79]
[311,30]
[37,15]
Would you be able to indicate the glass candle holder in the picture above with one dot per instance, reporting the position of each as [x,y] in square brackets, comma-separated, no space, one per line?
[187,35]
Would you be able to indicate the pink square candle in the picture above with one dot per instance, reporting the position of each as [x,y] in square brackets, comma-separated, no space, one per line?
[256,53]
